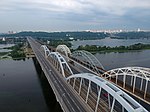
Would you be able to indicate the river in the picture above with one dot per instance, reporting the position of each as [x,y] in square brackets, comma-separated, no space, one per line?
[124,59]
[109,42]
[119,59]
[23,88]
[4,46]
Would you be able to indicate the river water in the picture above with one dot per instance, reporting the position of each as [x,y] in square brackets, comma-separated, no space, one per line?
[125,59]
[109,42]
[5,45]
[24,89]
[119,59]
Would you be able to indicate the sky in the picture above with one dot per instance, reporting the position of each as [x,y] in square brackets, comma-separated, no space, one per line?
[73,15]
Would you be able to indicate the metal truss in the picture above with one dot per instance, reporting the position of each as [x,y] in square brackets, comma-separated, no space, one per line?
[88,58]
[59,62]
[133,72]
[46,50]
[64,49]
[116,94]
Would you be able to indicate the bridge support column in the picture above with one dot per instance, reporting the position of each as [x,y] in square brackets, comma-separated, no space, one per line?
[80,86]
[112,107]
[131,80]
[116,78]
[88,91]
[74,82]
[109,101]
[146,88]
[98,98]
[122,109]
[134,84]
[141,84]
[124,81]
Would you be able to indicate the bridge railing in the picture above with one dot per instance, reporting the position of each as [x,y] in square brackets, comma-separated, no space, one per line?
[100,95]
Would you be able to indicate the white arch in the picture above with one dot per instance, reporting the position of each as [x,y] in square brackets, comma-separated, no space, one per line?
[124,99]
[134,72]
[88,57]
[46,50]
[63,49]
[61,61]
[59,58]
[140,72]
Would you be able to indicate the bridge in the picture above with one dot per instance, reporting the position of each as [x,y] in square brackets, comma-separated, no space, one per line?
[134,80]
[77,91]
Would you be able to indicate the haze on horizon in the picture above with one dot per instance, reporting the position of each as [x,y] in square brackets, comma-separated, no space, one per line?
[67,15]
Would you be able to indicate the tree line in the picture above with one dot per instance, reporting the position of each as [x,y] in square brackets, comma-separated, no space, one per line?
[93,48]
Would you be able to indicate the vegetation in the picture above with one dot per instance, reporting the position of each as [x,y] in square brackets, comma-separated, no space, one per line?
[94,48]
[17,51]
[60,35]
[3,53]
[55,43]
[132,35]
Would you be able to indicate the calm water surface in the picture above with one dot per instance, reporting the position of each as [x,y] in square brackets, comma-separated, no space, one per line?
[20,87]
[5,45]
[133,58]
[116,60]
[109,42]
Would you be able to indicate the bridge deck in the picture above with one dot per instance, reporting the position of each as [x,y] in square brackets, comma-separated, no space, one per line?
[68,100]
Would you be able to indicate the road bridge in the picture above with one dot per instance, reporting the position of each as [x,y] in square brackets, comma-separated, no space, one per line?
[83,92]
[134,80]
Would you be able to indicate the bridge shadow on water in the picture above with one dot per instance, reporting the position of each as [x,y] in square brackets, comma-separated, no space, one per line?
[48,93]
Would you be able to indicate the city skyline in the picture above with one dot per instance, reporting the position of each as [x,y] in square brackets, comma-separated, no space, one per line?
[67,15]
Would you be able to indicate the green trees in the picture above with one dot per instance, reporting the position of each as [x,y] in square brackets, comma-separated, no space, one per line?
[93,48]
[17,52]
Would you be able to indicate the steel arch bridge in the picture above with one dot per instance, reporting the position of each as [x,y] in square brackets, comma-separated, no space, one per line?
[58,61]
[95,91]
[89,59]
[86,57]
[136,77]
[46,50]
[63,49]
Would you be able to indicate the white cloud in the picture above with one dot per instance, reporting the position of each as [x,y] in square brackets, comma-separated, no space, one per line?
[78,14]
[115,7]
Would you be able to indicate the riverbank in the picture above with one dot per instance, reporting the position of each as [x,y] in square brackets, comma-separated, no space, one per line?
[17,52]
[95,48]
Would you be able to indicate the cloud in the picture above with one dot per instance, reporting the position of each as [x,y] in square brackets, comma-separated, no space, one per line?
[115,7]
[76,13]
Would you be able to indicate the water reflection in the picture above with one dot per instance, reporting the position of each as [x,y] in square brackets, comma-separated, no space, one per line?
[115,60]
[21,88]
[109,42]
[49,96]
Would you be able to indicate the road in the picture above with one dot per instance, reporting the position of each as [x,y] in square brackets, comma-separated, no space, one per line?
[67,97]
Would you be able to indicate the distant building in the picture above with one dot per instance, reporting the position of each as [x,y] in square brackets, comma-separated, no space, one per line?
[71,38]
[48,42]
[3,39]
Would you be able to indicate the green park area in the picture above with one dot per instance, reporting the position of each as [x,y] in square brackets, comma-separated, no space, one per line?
[95,48]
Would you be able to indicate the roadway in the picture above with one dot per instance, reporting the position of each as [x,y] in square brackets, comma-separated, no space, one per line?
[67,98]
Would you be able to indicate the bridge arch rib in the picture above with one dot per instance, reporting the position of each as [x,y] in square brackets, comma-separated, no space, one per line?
[59,62]
[114,93]
[46,50]
[63,65]
[88,59]
[63,49]
[138,77]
